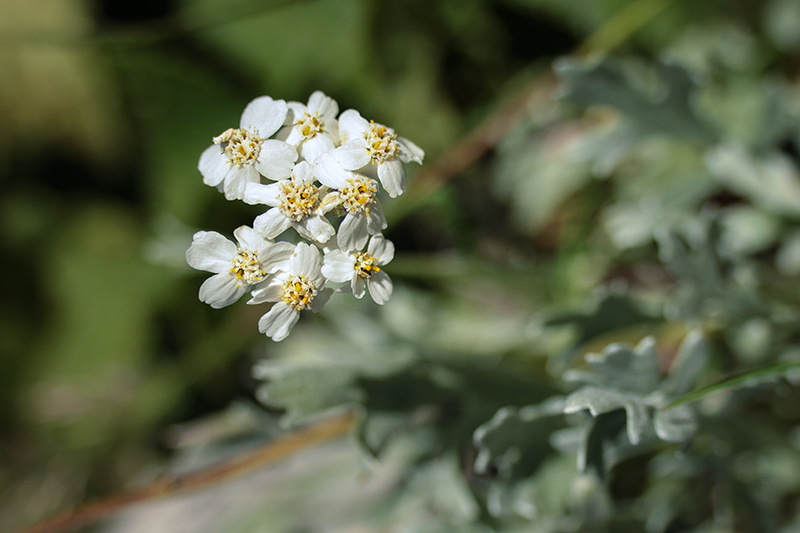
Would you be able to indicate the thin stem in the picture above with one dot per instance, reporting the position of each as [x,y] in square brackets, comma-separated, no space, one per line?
[171,485]
[622,26]
[747,378]
[474,146]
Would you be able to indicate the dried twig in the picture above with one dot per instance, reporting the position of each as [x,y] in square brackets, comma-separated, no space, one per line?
[276,449]
[471,148]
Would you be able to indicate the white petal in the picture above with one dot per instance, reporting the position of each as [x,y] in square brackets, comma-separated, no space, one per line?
[304,172]
[214,166]
[319,228]
[271,292]
[276,159]
[376,221]
[249,239]
[320,300]
[305,261]
[315,147]
[298,110]
[352,124]
[258,193]
[332,131]
[331,173]
[380,287]
[393,177]
[339,266]
[301,230]
[275,256]
[358,286]
[238,179]
[381,249]
[211,252]
[295,138]
[278,321]
[409,151]
[221,290]
[344,289]
[329,201]
[352,155]
[326,105]
[265,115]
[353,232]
[272,223]
[283,133]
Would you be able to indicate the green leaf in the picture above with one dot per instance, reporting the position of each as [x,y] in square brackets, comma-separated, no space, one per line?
[319,369]
[538,177]
[376,429]
[436,497]
[622,368]
[675,425]
[501,440]
[657,100]
[627,379]
[307,390]
[592,454]
[600,401]
[590,500]
[611,312]
[770,181]
[708,287]
[661,185]
[543,498]
[689,362]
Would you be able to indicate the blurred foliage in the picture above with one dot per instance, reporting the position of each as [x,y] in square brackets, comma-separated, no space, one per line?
[628,240]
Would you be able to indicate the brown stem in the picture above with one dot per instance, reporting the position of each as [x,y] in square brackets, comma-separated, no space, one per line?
[467,151]
[170,485]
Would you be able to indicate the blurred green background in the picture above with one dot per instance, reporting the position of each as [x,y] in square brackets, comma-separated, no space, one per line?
[106,106]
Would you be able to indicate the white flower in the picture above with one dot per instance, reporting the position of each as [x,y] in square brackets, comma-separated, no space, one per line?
[236,267]
[296,287]
[315,129]
[367,143]
[362,269]
[295,202]
[239,155]
[357,195]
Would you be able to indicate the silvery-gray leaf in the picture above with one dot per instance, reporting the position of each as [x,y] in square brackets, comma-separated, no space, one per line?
[678,424]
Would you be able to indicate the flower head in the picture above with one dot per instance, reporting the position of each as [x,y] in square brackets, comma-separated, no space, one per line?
[322,168]
[368,144]
[240,155]
[297,286]
[357,195]
[295,202]
[314,128]
[362,269]
[237,267]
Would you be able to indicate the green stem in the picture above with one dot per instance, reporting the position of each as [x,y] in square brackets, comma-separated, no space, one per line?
[750,377]
[622,26]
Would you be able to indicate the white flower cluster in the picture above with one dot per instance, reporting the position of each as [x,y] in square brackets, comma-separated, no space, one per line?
[321,167]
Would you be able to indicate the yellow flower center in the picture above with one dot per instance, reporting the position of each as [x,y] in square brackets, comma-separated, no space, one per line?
[310,125]
[358,195]
[381,144]
[246,268]
[241,147]
[365,265]
[298,199]
[298,292]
